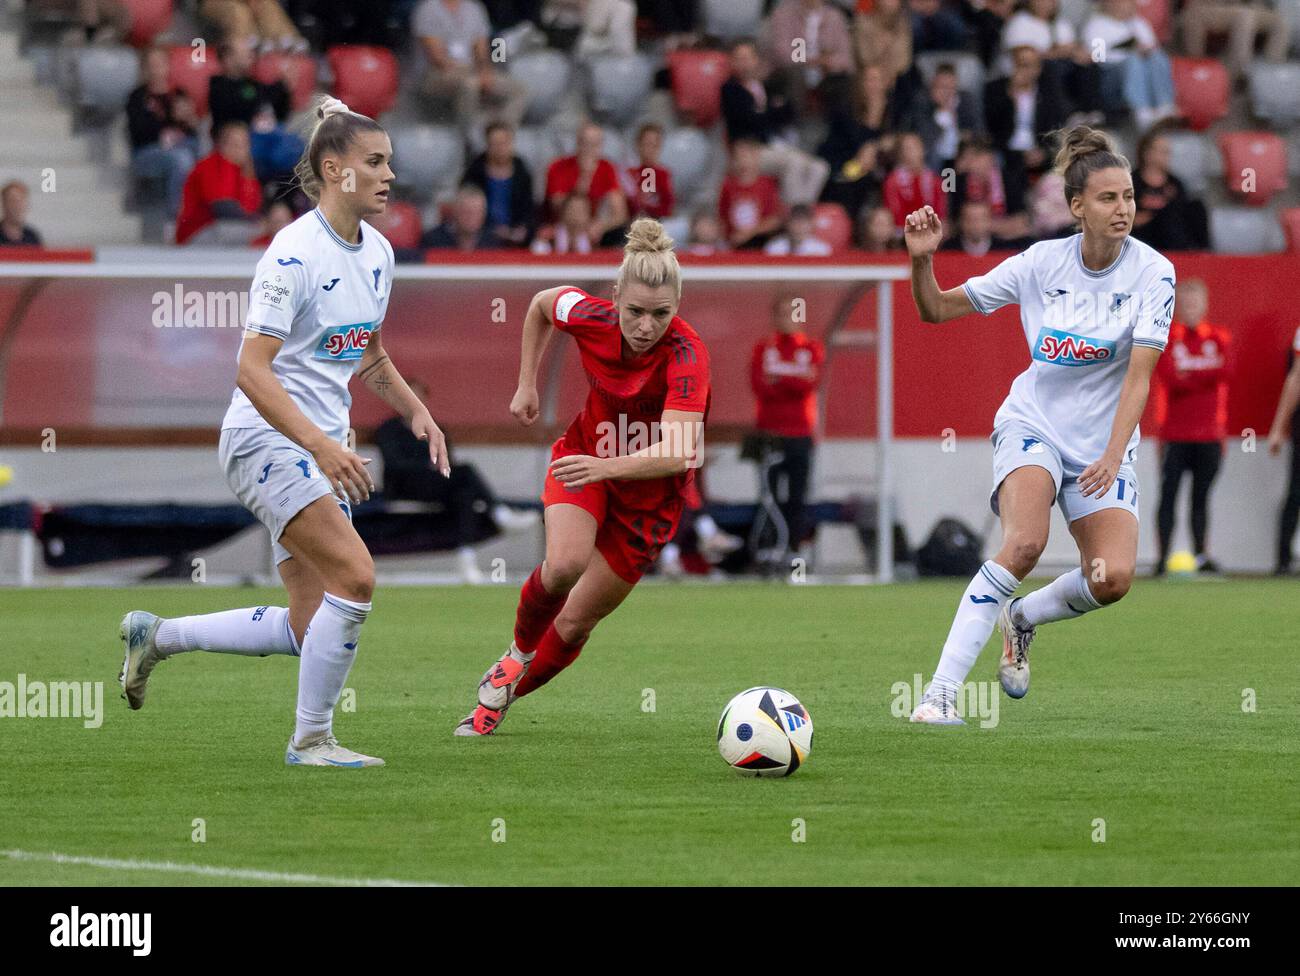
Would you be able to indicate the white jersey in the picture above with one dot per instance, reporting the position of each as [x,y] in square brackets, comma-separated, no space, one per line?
[324,298]
[1080,326]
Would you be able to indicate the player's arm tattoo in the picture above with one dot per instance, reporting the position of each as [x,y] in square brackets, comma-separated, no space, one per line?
[378,379]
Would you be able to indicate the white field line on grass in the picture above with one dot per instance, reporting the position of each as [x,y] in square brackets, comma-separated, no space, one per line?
[209,871]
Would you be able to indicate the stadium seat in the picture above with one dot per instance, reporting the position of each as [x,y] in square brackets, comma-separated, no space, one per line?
[105,77]
[148,19]
[1159,16]
[547,75]
[302,80]
[688,155]
[1275,92]
[833,225]
[401,224]
[728,20]
[618,87]
[191,69]
[536,147]
[1290,220]
[1254,165]
[1193,159]
[697,78]
[364,76]
[1244,230]
[1201,89]
[428,159]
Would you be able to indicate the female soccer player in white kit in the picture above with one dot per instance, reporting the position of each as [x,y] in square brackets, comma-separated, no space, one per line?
[318,299]
[1096,309]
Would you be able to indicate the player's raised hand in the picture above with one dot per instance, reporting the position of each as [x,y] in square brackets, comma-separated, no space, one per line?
[526,405]
[424,428]
[923,231]
[345,471]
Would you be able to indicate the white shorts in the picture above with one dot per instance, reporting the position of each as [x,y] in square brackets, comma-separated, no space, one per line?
[273,478]
[1016,446]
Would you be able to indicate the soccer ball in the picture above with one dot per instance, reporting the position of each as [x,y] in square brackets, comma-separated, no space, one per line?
[765,732]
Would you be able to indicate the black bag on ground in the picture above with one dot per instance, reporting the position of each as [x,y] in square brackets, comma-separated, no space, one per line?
[953,549]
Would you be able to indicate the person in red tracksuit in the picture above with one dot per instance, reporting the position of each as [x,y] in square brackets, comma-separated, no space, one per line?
[1193,413]
[785,371]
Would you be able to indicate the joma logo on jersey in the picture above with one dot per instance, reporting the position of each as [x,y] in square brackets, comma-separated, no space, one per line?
[344,342]
[1068,349]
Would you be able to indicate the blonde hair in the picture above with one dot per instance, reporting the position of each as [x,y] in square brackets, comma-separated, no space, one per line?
[648,257]
[332,134]
[1084,151]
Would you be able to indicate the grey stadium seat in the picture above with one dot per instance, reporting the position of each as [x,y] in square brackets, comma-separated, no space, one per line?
[428,159]
[688,155]
[105,76]
[618,87]
[730,19]
[1275,92]
[1245,230]
[546,73]
[1193,159]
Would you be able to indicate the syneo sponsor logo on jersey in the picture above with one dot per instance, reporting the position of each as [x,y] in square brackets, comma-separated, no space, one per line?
[343,342]
[1068,349]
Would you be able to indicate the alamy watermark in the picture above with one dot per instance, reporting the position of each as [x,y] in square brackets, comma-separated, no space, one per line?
[53,699]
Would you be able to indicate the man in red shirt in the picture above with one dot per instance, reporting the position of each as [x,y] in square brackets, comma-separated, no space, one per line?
[588,172]
[648,185]
[222,199]
[1192,407]
[785,371]
[749,203]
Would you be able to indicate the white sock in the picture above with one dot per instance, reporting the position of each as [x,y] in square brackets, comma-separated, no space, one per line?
[978,611]
[327,656]
[254,631]
[1065,597]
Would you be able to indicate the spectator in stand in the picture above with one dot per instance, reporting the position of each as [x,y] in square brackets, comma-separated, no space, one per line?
[707,237]
[1288,415]
[98,21]
[506,14]
[465,228]
[1039,24]
[340,21]
[750,203]
[1243,21]
[808,42]
[1022,110]
[253,24]
[883,37]
[591,28]
[162,127]
[1167,218]
[222,200]
[873,114]
[648,186]
[800,238]
[876,231]
[507,184]
[587,172]
[942,116]
[784,372]
[911,186]
[15,200]
[461,74]
[276,216]
[975,232]
[572,233]
[858,181]
[986,20]
[759,111]
[936,27]
[674,20]
[234,96]
[978,178]
[1136,73]
[1192,404]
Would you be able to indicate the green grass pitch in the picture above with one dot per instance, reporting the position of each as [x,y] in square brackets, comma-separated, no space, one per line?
[1135,718]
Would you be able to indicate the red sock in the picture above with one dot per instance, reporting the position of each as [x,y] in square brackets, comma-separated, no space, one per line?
[554,654]
[537,608]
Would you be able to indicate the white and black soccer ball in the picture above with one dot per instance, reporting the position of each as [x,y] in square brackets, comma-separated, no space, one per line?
[765,732]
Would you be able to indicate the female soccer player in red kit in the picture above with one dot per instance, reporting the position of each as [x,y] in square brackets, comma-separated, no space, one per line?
[613,492]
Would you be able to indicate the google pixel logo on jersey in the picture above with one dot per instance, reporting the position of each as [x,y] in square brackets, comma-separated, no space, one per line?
[343,342]
[1067,349]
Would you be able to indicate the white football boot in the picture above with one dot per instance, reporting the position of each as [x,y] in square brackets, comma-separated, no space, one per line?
[938,707]
[326,751]
[137,632]
[1013,669]
[496,693]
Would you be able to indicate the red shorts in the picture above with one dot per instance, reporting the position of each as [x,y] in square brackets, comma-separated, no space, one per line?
[629,538]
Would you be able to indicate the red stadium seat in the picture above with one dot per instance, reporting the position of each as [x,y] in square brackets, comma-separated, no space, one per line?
[833,225]
[1254,165]
[400,223]
[697,84]
[1158,15]
[302,75]
[1201,91]
[365,77]
[1290,219]
[148,19]
[191,68]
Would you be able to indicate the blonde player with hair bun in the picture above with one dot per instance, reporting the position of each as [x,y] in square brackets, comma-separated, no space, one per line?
[1095,309]
[613,492]
[318,299]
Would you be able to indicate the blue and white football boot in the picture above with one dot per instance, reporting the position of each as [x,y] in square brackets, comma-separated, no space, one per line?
[325,750]
[137,633]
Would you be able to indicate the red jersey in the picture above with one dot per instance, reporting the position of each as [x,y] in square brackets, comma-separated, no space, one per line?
[1193,384]
[673,374]
[562,179]
[744,206]
[214,178]
[906,191]
[784,372]
[657,203]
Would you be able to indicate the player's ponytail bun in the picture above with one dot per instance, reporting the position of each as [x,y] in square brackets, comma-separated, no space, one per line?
[331,135]
[1083,151]
[648,256]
